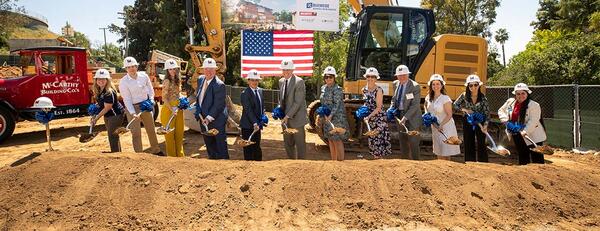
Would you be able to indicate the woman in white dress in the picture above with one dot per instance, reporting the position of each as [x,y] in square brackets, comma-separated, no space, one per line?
[440,105]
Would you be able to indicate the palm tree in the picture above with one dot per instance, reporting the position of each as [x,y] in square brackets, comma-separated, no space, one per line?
[501,37]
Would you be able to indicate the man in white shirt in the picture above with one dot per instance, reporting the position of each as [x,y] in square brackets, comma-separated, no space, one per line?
[135,87]
[210,104]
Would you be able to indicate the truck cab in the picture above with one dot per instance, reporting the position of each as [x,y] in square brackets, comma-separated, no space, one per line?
[59,73]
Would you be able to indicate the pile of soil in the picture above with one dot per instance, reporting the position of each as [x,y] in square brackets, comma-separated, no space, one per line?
[127,191]
[10,72]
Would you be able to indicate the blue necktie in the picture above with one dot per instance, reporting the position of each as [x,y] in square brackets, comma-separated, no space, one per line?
[399,98]
[258,99]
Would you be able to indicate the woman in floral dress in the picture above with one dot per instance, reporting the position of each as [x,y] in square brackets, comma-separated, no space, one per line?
[379,145]
[332,96]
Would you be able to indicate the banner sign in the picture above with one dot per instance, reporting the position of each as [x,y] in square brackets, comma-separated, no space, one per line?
[319,15]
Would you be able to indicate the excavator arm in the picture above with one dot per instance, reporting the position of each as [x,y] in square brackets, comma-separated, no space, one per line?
[357,5]
[210,21]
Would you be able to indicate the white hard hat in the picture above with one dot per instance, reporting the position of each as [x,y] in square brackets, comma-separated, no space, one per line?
[43,103]
[102,74]
[521,87]
[329,71]
[472,79]
[437,77]
[171,64]
[130,61]
[287,64]
[253,74]
[372,71]
[402,70]
[209,63]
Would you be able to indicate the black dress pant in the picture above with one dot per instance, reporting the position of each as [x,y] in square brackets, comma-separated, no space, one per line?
[526,155]
[469,136]
[252,152]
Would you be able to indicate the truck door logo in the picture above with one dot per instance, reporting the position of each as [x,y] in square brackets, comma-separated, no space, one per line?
[60,86]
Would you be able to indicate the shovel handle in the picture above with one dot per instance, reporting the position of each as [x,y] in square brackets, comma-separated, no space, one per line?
[368,125]
[136,116]
[530,140]
[48,137]
[171,119]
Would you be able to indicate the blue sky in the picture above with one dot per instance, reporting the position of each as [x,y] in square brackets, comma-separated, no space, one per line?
[88,16]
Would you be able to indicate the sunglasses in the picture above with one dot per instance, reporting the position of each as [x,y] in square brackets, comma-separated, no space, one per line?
[371,77]
[474,85]
[329,77]
[521,93]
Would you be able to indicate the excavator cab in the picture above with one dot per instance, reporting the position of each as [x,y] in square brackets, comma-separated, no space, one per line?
[385,37]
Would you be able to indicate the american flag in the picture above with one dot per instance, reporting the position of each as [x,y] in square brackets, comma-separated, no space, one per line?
[264,51]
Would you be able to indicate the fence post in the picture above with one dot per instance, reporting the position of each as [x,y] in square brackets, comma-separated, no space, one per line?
[576,120]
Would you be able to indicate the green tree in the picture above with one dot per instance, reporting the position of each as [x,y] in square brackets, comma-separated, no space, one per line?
[172,35]
[575,15]
[555,57]
[79,40]
[110,53]
[141,27]
[468,17]
[501,37]
[493,65]
[546,15]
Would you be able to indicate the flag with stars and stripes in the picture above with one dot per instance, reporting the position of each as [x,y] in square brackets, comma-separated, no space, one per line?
[264,51]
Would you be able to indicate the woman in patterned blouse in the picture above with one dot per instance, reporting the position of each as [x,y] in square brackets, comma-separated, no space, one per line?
[170,93]
[473,101]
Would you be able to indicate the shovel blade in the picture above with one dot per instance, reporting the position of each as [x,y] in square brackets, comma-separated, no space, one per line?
[87,137]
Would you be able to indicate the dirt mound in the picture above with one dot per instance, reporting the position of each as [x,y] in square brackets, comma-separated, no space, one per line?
[10,71]
[89,190]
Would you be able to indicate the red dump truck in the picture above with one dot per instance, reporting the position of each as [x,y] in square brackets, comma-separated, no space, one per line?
[59,73]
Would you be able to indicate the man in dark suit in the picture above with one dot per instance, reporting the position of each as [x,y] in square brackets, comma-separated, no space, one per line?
[407,99]
[292,99]
[213,113]
[251,121]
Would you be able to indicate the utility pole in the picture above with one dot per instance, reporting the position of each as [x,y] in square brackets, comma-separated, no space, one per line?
[126,32]
[105,46]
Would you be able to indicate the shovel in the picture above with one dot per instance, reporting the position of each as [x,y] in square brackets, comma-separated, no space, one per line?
[87,137]
[500,150]
[335,130]
[165,130]
[248,142]
[539,149]
[287,130]
[207,132]
[455,140]
[126,129]
[50,149]
[410,133]
[370,133]
[48,138]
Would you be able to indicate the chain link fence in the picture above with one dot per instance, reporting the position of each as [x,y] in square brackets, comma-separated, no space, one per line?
[570,113]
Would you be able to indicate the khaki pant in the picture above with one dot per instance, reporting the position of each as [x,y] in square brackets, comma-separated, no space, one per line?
[136,131]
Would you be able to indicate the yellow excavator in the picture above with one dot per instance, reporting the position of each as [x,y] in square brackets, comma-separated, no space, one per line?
[384,35]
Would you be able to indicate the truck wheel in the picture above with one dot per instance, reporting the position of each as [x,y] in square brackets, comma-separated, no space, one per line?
[7,124]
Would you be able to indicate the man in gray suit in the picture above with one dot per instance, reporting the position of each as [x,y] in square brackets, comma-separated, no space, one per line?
[292,101]
[407,99]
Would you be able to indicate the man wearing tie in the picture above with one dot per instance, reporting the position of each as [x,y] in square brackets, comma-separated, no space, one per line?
[293,102]
[406,100]
[212,111]
[251,121]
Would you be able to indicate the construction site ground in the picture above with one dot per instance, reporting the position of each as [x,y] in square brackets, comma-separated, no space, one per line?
[80,187]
